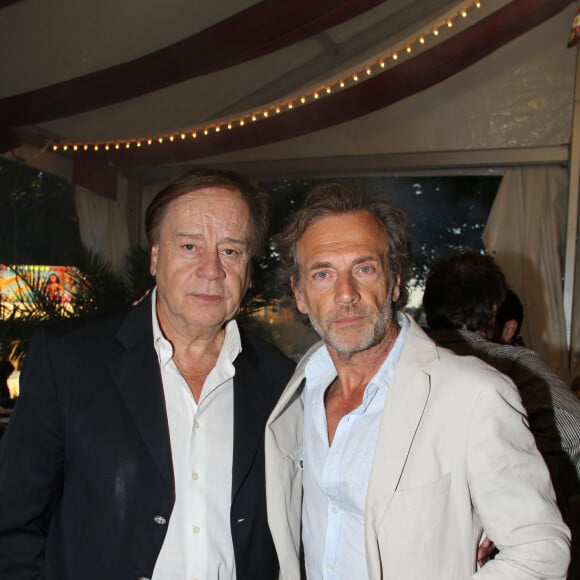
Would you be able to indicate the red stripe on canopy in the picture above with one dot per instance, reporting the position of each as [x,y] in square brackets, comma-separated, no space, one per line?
[413,75]
[264,27]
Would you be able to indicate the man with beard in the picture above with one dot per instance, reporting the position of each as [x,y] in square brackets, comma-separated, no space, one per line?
[386,456]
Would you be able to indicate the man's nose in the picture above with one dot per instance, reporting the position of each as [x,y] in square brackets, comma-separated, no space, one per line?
[210,266]
[346,289]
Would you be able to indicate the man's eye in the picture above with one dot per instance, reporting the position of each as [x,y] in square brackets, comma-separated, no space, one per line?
[188,247]
[321,275]
[367,269]
[230,252]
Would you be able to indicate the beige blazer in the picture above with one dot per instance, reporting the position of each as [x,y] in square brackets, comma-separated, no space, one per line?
[454,458]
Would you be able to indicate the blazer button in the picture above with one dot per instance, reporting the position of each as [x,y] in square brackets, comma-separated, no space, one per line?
[160,520]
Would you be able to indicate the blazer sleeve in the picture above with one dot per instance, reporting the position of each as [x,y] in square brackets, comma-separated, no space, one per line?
[31,468]
[512,491]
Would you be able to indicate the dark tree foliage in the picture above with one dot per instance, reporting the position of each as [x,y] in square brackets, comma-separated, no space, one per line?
[445,213]
[39,224]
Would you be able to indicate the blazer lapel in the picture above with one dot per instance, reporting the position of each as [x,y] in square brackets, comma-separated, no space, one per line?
[252,403]
[138,378]
[406,402]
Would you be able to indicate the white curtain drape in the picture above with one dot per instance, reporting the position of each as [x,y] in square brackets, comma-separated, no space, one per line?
[525,233]
[103,224]
[147,194]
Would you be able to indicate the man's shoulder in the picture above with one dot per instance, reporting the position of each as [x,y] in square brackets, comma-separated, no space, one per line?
[447,366]
[89,331]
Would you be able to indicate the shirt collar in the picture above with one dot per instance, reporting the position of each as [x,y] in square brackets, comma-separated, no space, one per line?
[231,347]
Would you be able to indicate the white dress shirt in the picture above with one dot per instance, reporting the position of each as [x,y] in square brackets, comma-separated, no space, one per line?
[336,477]
[198,544]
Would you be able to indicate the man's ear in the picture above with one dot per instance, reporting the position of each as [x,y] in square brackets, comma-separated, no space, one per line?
[509,331]
[298,296]
[153,263]
[396,288]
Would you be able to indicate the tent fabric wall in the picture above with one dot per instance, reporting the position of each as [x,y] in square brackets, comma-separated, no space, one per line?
[526,235]
[103,224]
[519,96]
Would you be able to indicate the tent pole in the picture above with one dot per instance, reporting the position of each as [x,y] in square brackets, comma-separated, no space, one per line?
[572,225]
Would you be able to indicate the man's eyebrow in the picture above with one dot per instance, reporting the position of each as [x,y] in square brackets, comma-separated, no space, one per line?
[318,265]
[188,235]
[362,259]
[359,260]
[240,241]
[227,240]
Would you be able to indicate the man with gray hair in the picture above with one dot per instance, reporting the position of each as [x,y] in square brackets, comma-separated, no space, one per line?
[386,456]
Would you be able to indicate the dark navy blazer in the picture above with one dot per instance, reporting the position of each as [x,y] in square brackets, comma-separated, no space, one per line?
[86,477]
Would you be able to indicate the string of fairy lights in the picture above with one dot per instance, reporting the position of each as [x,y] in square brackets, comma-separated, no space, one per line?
[352,78]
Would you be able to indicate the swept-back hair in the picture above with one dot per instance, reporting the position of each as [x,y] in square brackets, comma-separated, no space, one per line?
[336,199]
[258,202]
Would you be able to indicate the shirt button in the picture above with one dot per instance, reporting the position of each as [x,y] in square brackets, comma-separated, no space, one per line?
[196,529]
[329,566]
[196,425]
[334,510]
[194,476]
[160,520]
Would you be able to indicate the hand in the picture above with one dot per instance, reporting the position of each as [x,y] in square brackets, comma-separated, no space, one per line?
[486,551]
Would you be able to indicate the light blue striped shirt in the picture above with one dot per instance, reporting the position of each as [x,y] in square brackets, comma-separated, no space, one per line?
[336,478]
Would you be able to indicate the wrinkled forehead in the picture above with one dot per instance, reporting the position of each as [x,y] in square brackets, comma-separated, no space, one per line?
[346,233]
[210,207]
